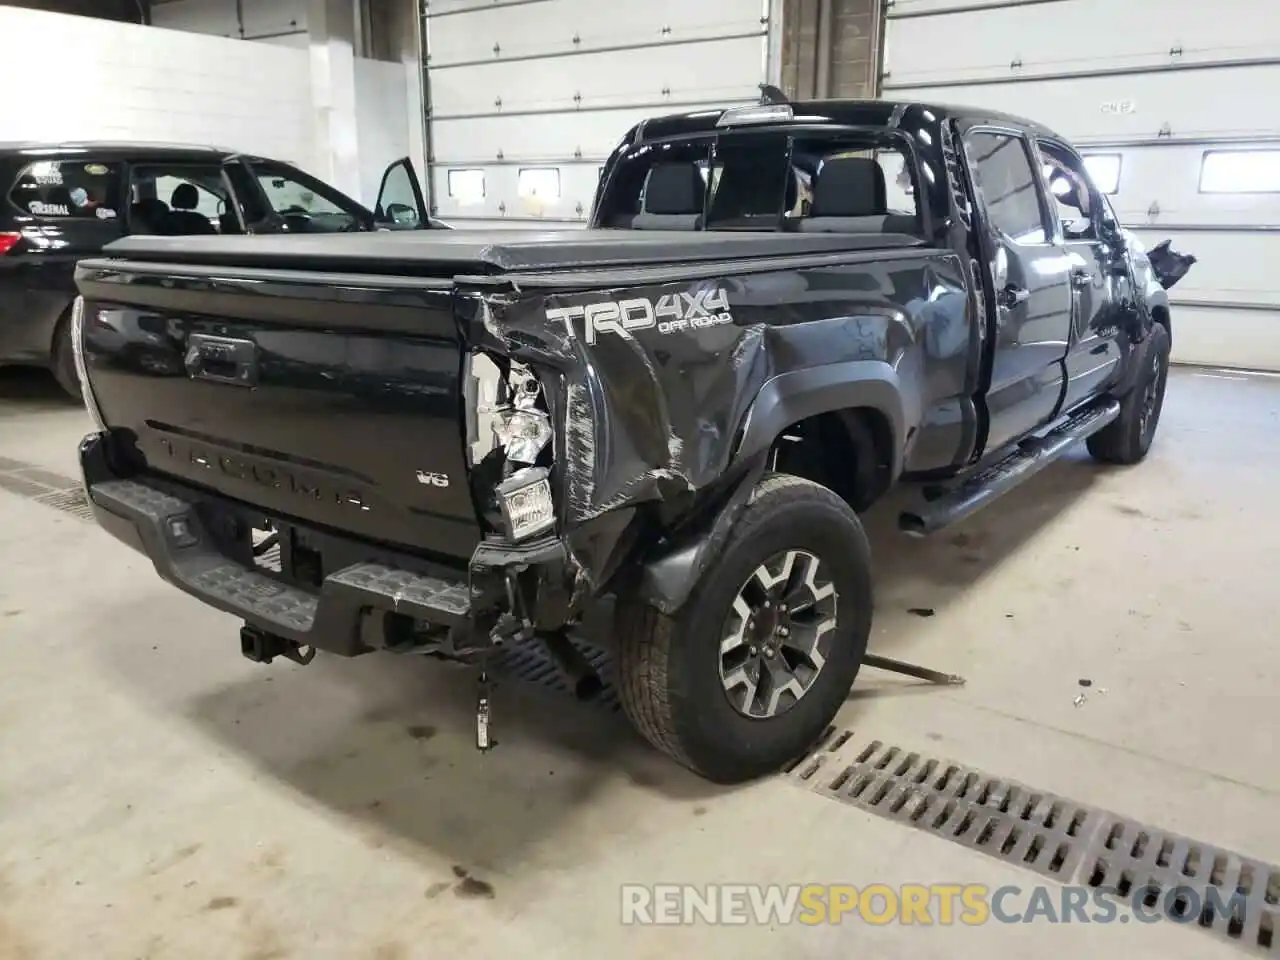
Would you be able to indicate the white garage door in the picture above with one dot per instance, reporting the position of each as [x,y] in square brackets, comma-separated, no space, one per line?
[528,97]
[1172,97]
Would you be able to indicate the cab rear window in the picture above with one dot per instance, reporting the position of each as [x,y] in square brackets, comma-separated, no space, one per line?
[763,180]
[68,189]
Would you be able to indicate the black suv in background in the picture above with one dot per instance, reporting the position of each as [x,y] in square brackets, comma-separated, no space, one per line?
[62,202]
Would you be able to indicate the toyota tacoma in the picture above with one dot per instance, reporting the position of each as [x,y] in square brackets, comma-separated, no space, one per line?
[451,442]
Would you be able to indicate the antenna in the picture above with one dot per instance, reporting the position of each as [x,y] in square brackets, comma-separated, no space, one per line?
[770,94]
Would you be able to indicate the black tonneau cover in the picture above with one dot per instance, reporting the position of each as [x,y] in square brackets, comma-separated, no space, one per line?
[410,253]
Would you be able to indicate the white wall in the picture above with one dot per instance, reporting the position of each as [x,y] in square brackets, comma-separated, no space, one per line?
[144,83]
[272,21]
[382,122]
[554,85]
[337,116]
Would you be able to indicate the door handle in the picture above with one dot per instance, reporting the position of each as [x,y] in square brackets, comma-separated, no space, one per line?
[1012,295]
[222,360]
[1081,278]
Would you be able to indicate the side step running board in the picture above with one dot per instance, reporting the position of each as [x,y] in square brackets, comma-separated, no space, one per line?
[1027,459]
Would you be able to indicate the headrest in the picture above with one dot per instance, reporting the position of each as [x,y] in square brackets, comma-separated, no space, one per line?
[185,197]
[850,187]
[674,188]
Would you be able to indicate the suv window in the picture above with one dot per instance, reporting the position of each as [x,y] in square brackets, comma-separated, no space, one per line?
[77,189]
[1006,180]
[305,205]
[180,200]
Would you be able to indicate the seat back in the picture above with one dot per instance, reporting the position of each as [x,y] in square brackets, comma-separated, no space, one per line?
[184,220]
[850,196]
[673,196]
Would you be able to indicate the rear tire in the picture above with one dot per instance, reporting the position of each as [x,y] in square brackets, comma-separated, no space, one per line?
[63,359]
[693,683]
[1127,439]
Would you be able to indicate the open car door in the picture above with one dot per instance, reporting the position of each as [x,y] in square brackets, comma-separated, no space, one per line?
[401,205]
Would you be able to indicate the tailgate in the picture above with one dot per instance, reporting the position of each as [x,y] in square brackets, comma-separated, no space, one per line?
[328,398]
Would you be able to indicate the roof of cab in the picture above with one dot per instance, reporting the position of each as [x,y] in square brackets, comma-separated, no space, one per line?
[858,113]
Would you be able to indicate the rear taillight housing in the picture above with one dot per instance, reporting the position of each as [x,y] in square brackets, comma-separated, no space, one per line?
[8,241]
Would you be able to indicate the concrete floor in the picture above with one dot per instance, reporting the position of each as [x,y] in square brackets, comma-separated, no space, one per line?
[162,797]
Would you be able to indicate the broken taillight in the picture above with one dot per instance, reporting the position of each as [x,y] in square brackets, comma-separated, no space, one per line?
[8,241]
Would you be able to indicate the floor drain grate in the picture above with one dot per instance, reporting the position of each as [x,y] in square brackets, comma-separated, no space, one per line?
[23,487]
[527,662]
[1003,819]
[1233,898]
[73,502]
[44,487]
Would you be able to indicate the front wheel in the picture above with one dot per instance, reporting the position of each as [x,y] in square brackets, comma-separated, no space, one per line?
[1127,439]
[758,661]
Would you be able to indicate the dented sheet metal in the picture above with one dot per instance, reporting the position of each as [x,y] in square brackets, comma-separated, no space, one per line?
[654,387]
[654,382]
[1168,265]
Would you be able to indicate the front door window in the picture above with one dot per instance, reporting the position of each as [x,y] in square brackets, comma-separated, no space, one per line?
[304,205]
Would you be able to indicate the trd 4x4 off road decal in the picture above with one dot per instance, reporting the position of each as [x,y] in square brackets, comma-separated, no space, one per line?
[671,313]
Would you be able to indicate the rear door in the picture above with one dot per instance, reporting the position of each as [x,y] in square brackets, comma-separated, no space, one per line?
[1029,279]
[401,205]
[65,208]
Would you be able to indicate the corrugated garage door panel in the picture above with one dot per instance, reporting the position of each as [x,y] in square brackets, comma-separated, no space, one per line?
[1154,93]
[528,97]
[830,48]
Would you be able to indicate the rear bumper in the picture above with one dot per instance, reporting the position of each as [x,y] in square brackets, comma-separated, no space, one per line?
[346,614]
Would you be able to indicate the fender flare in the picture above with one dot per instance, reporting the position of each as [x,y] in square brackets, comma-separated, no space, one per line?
[669,576]
[800,394]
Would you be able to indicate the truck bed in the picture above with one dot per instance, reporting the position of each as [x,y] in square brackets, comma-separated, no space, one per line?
[446,252]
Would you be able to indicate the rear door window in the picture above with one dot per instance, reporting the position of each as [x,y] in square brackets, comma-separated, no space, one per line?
[181,199]
[80,189]
[1006,180]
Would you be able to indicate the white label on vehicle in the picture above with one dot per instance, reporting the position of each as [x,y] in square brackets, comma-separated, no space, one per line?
[672,313]
[48,209]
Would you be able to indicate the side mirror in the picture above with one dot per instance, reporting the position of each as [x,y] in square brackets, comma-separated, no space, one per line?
[401,213]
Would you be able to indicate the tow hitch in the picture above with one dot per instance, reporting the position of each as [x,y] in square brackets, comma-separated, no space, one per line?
[262,647]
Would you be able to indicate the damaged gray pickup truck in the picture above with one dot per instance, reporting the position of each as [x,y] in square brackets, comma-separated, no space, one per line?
[450,443]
